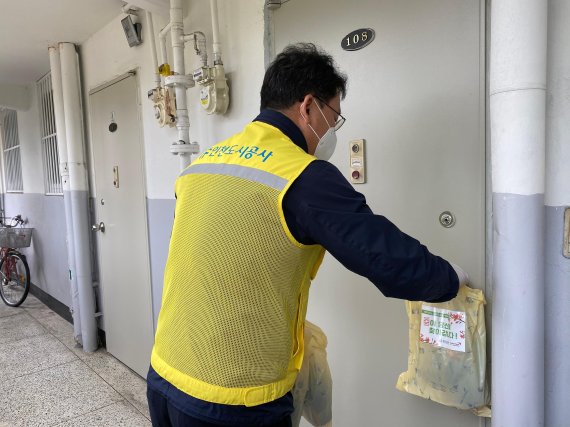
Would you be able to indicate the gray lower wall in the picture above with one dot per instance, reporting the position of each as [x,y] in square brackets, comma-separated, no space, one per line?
[557,317]
[47,256]
[160,218]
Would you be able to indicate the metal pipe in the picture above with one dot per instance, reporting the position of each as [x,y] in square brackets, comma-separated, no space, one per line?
[557,199]
[517,113]
[184,160]
[177,33]
[162,42]
[79,192]
[152,43]
[216,45]
[55,65]
[199,46]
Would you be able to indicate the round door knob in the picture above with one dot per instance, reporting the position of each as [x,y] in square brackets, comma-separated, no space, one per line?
[98,227]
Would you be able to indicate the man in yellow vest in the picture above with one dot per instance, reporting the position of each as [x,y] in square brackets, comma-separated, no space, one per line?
[254,215]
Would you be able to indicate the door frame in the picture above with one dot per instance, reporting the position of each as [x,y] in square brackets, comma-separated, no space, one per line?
[134,73]
[270,53]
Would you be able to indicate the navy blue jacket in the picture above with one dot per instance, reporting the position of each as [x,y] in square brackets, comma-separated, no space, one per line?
[321,207]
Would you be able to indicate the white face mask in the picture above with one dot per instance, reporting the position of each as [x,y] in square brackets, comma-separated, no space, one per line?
[327,142]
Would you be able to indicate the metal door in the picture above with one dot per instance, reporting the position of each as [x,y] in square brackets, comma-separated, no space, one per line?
[122,223]
[416,95]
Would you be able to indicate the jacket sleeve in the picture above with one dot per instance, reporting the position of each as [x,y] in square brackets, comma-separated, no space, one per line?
[322,207]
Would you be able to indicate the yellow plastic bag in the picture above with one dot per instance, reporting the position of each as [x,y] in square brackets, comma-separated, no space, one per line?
[447,354]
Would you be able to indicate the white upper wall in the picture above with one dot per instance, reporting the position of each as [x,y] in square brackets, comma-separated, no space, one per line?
[15,97]
[106,55]
[30,145]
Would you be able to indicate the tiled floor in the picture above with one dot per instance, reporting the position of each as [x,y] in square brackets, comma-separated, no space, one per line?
[45,380]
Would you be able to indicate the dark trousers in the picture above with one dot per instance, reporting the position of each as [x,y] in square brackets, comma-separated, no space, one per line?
[163,414]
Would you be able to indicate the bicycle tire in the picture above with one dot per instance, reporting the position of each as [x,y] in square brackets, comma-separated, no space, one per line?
[14,279]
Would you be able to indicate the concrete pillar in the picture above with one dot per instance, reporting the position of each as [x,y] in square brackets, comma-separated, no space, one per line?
[79,192]
[517,112]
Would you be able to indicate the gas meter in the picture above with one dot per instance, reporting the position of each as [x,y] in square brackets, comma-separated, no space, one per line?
[214,90]
[164,105]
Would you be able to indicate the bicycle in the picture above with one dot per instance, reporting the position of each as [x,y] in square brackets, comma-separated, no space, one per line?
[14,269]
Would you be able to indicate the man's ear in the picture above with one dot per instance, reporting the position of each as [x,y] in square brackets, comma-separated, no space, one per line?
[306,103]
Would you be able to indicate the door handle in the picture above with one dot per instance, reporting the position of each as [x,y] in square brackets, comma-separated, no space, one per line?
[98,227]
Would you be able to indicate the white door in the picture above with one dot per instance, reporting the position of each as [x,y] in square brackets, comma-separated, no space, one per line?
[120,205]
[416,95]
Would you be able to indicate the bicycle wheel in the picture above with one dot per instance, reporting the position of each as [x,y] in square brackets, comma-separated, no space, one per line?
[14,279]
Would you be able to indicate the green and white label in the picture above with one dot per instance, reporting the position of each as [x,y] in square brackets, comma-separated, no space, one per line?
[443,328]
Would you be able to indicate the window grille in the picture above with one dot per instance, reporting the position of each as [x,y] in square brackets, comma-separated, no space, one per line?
[52,178]
[12,163]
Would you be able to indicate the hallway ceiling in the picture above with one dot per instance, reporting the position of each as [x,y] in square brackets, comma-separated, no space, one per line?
[28,27]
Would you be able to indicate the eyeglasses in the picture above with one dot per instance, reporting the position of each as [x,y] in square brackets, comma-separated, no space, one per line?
[340,119]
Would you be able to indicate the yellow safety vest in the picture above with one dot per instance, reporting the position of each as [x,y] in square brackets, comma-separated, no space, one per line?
[236,282]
